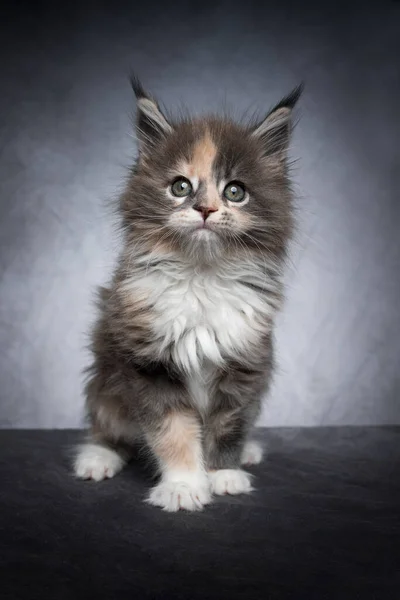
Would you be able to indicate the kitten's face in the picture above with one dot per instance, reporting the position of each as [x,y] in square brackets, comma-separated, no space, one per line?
[207,199]
[210,187]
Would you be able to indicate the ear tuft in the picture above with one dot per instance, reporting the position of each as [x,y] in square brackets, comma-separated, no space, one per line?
[291,99]
[151,124]
[137,87]
[274,130]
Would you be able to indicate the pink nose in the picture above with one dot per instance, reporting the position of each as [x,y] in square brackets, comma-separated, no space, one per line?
[205,210]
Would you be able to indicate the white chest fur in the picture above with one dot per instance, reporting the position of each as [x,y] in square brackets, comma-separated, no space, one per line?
[206,316]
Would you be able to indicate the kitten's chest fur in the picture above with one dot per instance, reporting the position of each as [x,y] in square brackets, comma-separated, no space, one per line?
[200,318]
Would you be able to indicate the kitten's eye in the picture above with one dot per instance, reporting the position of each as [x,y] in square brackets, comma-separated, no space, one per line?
[181,187]
[234,192]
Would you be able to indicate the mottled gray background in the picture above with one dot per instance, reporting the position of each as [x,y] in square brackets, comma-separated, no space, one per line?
[65,108]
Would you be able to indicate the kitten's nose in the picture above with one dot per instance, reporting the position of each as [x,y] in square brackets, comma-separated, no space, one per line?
[205,210]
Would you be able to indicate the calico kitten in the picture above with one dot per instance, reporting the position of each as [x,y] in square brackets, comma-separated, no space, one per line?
[183,344]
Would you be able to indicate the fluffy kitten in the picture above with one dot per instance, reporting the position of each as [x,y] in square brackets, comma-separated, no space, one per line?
[183,344]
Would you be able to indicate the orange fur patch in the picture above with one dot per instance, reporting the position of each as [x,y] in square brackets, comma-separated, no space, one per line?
[204,154]
[201,168]
[178,443]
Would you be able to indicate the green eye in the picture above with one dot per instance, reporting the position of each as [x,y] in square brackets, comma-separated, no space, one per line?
[234,192]
[181,187]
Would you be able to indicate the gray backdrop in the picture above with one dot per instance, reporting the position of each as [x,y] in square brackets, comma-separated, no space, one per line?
[66,142]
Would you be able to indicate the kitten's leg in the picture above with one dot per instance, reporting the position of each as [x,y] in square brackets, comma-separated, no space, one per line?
[108,447]
[224,443]
[177,445]
[235,408]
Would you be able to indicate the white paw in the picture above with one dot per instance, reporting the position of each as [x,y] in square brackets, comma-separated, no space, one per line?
[174,495]
[252,453]
[97,462]
[230,481]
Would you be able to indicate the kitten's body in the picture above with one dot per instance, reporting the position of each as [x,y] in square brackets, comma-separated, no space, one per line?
[182,349]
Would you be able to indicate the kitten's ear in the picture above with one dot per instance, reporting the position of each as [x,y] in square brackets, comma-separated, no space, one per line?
[151,124]
[274,130]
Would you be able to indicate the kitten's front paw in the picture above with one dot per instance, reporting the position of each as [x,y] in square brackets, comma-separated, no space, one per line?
[252,453]
[97,462]
[230,481]
[174,495]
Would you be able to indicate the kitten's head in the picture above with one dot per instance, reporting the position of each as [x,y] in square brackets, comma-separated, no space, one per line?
[210,186]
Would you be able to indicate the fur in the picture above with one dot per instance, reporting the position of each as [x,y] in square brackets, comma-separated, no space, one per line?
[182,348]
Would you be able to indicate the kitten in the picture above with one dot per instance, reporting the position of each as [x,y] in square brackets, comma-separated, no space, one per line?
[183,345]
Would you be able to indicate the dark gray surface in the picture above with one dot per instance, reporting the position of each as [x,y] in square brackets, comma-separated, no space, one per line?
[323,523]
[65,142]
